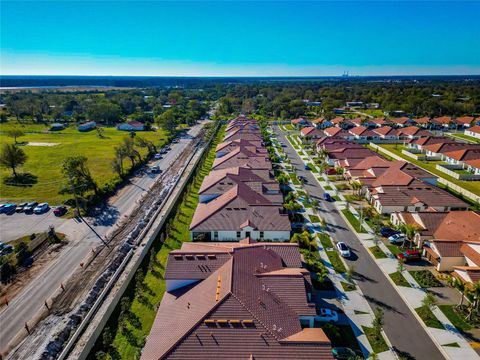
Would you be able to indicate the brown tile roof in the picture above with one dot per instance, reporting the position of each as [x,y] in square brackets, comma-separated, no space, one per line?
[238,205]
[358,130]
[238,143]
[450,146]
[400,120]
[444,120]
[372,161]
[473,272]
[242,157]
[471,254]
[332,131]
[231,314]
[474,163]
[448,248]
[417,192]
[337,120]
[460,225]
[427,221]
[385,130]
[423,120]
[318,121]
[311,131]
[298,121]
[464,154]
[464,120]
[409,130]
[430,140]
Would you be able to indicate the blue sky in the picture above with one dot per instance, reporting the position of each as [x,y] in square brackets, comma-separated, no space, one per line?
[239,38]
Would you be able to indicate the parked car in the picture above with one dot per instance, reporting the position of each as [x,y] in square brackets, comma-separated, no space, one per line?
[157,156]
[397,238]
[327,197]
[60,210]
[41,208]
[8,209]
[28,209]
[306,167]
[7,249]
[326,315]
[342,353]
[410,255]
[155,170]
[331,171]
[343,249]
[21,207]
[386,231]
[175,141]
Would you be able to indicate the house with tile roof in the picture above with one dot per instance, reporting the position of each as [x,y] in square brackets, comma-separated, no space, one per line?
[220,181]
[245,134]
[437,150]
[238,213]
[465,121]
[379,122]
[367,170]
[423,122]
[405,187]
[310,132]
[473,131]
[243,156]
[228,146]
[412,132]
[245,301]
[386,133]
[466,159]
[443,122]
[299,123]
[401,121]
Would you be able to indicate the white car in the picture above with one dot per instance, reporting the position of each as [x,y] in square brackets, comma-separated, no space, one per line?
[326,315]
[397,238]
[41,208]
[343,249]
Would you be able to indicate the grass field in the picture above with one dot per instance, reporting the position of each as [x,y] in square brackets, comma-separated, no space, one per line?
[127,344]
[44,162]
[465,137]
[473,186]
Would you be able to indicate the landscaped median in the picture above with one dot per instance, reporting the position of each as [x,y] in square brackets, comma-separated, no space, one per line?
[399,279]
[428,317]
[377,342]
[353,221]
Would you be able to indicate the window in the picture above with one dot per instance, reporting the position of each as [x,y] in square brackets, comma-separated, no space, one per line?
[239,234]
[215,234]
[261,234]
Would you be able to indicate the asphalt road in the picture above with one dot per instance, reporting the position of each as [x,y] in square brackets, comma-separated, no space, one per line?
[403,330]
[82,238]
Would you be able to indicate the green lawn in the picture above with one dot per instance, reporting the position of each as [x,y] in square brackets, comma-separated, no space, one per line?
[289,127]
[377,343]
[394,249]
[328,187]
[44,162]
[425,278]
[377,252]
[294,179]
[399,279]
[473,186]
[353,220]
[314,218]
[128,344]
[457,320]
[428,317]
[336,262]
[465,137]
[325,240]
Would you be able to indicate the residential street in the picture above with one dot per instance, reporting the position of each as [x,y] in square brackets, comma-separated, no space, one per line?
[401,327]
[83,236]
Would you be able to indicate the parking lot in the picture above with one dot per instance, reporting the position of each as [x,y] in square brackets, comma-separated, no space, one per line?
[20,223]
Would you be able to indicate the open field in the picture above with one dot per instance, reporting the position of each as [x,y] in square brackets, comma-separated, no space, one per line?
[44,162]
[473,186]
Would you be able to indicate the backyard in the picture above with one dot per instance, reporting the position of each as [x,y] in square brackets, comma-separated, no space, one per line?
[44,160]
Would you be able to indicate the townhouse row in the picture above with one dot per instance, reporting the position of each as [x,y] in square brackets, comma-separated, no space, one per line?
[240,198]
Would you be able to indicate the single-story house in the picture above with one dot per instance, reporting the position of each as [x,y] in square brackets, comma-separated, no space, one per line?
[90,125]
[473,131]
[131,126]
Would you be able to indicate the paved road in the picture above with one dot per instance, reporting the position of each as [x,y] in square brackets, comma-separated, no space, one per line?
[82,238]
[401,326]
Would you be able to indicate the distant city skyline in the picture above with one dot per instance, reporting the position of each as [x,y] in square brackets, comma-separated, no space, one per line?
[239,38]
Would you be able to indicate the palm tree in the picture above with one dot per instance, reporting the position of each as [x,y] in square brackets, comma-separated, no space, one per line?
[409,230]
[356,187]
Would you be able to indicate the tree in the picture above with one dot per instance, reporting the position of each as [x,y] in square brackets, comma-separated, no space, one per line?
[104,112]
[401,266]
[429,301]
[167,121]
[100,132]
[473,296]
[15,134]
[12,157]
[144,143]
[409,230]
[77,174]
[129,150]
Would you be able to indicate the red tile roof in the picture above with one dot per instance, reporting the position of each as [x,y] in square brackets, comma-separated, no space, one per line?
[444,120]
[448,248]
[460,225]
[474,129]
[465,120]
[332,131]
[423,120]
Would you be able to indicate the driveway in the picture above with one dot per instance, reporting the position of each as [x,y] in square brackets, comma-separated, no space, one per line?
[403,330]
